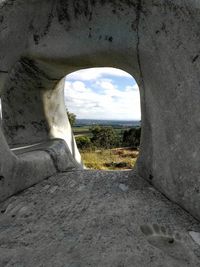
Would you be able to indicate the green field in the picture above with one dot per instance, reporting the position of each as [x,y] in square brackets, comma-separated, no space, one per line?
[85,130]
[81,131]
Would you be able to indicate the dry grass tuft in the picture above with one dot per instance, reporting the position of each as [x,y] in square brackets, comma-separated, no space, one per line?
[110,159]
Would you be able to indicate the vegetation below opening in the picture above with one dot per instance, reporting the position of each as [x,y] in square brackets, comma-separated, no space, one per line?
[109,145]
[110,159]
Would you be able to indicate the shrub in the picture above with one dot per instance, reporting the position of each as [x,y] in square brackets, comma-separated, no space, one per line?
[103,137]
[71,117]
[83,142]
[132,137]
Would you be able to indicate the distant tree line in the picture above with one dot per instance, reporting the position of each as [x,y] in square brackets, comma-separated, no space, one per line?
[106,137]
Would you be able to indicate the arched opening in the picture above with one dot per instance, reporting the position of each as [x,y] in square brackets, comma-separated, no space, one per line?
[103,105]
[34,117]
[38,136]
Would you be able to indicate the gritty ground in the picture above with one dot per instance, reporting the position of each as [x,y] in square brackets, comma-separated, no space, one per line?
[95,218]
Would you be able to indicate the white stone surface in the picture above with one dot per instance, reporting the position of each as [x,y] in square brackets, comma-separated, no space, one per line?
[195,236]
[99,226]
[157,42]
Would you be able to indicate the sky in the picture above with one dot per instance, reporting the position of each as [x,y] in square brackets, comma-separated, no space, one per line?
[102,93]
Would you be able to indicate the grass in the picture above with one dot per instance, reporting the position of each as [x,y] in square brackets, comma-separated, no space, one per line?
[110,159]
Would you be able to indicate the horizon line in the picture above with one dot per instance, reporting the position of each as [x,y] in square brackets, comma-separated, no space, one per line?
[110,119]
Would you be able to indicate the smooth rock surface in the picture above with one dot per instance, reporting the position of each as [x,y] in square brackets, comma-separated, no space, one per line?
[156,41]
[86,218]
[34,163]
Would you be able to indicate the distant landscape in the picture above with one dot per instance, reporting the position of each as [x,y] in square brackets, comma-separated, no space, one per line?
[108,144]
[82,126]
[122,123]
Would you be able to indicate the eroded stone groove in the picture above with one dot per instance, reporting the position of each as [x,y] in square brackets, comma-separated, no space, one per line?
[137,22]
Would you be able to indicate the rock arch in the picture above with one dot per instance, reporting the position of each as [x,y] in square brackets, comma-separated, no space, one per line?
[155,41]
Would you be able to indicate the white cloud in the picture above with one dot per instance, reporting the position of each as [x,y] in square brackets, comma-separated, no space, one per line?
[78,86]
[96,73]
[108,102]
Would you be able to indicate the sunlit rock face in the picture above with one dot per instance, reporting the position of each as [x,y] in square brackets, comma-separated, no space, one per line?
[155,41]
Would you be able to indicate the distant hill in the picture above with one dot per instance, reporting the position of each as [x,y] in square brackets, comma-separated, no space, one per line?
[82,122]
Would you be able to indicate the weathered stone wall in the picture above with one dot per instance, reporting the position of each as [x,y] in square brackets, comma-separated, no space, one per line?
[155,41]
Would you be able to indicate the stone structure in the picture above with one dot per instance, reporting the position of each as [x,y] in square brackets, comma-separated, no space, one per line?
[156,41]
[94,218]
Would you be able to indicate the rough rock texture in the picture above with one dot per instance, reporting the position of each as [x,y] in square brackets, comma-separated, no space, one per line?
[94,218]
[157,41]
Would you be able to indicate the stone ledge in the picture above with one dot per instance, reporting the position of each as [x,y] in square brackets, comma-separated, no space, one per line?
[36,163]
